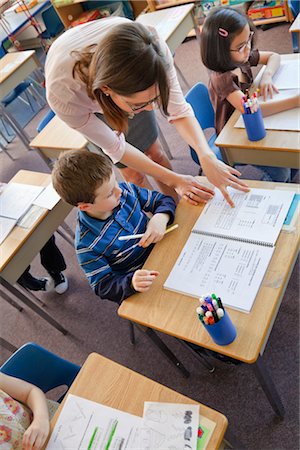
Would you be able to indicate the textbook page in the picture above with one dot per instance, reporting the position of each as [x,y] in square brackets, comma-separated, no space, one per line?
[232,269]
[287,76]
[83,424]
[258,215]
[169,426]
[16,198]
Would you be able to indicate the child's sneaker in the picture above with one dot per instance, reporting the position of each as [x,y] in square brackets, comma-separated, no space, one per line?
[60,282]
[36,284]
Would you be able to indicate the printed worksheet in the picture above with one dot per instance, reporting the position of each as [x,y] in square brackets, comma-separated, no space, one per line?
[87,425]
[16,198]
[170,426]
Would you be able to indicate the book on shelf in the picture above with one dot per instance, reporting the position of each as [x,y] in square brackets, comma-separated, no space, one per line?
[229,249]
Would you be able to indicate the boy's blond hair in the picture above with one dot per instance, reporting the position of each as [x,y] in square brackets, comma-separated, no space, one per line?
[77,174]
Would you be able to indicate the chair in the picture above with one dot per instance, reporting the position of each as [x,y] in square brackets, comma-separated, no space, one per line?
[294,6]
[52,22]
[198,98]
[38,366]
[50,114]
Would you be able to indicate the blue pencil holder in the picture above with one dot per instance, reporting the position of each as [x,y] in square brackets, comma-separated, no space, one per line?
[254,125]
[222,332]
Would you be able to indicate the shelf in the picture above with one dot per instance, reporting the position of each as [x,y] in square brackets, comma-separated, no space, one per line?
[273,20]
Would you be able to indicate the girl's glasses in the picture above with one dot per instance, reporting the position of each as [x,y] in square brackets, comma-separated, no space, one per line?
[143,105]
[247,44]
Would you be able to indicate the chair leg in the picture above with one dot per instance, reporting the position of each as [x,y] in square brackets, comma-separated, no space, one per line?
[35,93]
[203,360]
[182,76]
[7,345]
[3,148]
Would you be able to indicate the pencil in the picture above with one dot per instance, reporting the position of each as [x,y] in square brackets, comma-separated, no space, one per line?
[137,236]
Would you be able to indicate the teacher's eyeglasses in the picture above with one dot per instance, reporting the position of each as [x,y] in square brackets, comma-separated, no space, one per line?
[142,105]
[242,48]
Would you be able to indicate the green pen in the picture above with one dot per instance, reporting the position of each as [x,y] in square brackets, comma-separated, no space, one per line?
[111,434]
[92,438]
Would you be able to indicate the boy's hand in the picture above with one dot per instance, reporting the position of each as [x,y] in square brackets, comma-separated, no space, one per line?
[36,434]
[143,279]
[267,87]
[155,229]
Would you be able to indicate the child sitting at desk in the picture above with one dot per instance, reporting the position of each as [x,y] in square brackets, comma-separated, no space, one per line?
[108,211]
[21,427]
[227,51]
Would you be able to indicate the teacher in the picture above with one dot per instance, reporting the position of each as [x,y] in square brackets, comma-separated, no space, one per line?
[105,78]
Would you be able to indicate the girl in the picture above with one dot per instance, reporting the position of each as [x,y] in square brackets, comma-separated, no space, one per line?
[21,427]
[105,78]
[227,50]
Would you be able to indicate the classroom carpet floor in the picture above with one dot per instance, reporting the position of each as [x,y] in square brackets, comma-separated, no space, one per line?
[94,325]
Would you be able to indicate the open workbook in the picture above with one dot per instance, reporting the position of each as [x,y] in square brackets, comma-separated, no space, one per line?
[229,249]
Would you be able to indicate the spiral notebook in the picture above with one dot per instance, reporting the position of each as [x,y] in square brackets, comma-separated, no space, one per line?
[229,249]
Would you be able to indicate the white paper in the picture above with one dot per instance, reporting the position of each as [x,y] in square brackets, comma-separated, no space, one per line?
[16,198]
[233,270]
[288,75]
[83,424]
[6,225]
[285,120]
[48,198]
[170,426]
[258,215]
[31,216]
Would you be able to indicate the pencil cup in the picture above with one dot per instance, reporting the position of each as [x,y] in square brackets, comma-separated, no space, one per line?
[222,332]
[254,125]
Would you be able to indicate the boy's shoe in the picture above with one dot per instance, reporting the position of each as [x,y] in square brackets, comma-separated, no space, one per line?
[36,284]
[60,282]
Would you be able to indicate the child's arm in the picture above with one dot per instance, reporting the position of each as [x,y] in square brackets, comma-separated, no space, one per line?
[272,62]
[142,279]
[36,434]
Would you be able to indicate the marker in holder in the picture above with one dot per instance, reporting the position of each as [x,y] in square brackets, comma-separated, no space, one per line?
[215,320]
[254,125]
[253,118]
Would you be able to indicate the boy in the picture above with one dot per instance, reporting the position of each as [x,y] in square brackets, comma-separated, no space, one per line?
[107,211]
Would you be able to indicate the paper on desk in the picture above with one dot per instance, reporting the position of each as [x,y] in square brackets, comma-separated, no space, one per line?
[83,424]
[48,198]
[6,225]
[288,75]
[169,425]
[16,198]
[285,120]
[31,216]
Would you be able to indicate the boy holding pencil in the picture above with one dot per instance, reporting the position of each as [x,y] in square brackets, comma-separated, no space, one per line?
[109,217]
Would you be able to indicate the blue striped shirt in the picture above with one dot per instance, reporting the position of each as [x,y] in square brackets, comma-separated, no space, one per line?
[108,263]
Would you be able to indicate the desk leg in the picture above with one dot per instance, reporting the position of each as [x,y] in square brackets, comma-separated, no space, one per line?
[23,136]
[33,306]
[10,301]
[7,345]
[205,362]
[163,348]
[268,386]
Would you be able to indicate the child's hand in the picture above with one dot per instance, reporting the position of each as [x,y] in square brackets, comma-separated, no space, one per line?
[155,229]
[143,279]
[267,86]
[36,434]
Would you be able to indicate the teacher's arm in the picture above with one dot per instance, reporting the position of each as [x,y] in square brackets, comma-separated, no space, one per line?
[218,173]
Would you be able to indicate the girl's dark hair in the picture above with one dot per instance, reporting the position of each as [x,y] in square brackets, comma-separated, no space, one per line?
[215,48]
[128,60]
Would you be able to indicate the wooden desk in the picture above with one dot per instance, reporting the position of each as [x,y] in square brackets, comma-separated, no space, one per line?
[174,314]
[173,24]
[22,245]
[104,381]
[56,137]
[278,148]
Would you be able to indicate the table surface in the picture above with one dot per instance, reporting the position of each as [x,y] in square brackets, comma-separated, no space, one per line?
[165,21]
[174,313]
[12,62]
[57,135]
[295,25]
[106,382]
[277,140]
[18,236]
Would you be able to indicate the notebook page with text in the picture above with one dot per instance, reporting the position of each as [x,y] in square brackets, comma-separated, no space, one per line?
[258,215]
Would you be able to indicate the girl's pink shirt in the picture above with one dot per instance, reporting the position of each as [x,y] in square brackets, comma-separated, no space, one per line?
[68,97]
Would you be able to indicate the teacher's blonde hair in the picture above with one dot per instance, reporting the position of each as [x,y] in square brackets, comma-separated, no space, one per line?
[128,60]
